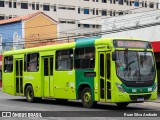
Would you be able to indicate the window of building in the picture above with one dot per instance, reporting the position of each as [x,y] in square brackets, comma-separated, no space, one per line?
[71,21]
[104,1]
[54,8]
[111,1]
[114,1]
[10,4]
[79,25]
[46,7]
[86,0]
[157,5]
[62,21]
[33,6]
[86,11]
[151,5]
[114,13]
[97,26]
[110,13]
[14,4]
[61,7]
[93,26]
[8,64]
[120,13]
[121,2]
[130,3]
[145,4]
[97,12]
[93,11]
[31,62]
[127,2]
[37,6]
[79,10]
[2,17]
[86,25]
[67,21]
[14,16]
[96,0]
[24,5]
[10,16]
[70,8]
[136,4]
[1,3]
[104,12]
[84,58]
[64,59]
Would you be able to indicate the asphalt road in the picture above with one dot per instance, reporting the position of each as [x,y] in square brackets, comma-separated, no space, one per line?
[69,108]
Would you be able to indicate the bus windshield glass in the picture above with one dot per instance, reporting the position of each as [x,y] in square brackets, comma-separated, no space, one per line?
[135,66]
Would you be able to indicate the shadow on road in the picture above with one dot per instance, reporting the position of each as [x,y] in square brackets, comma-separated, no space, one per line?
[99,106]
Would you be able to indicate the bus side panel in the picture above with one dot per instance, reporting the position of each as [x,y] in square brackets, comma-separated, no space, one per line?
[64,84]
[83,78]
[8,85]
[34,79]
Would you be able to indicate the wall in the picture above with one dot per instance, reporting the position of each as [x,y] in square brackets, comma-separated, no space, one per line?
[7,31]
[35,35]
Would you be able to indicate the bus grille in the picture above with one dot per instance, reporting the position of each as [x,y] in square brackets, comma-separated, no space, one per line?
[135,97]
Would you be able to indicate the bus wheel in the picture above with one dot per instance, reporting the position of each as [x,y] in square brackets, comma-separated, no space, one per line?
[29,93]
[122,105]
[87,98]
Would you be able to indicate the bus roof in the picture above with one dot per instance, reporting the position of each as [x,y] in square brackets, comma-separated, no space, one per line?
[77,44]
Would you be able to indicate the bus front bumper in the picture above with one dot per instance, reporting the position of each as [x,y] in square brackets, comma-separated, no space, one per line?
[126,97]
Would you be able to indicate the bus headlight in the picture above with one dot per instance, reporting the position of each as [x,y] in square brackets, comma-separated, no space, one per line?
[155,87]
[120,88]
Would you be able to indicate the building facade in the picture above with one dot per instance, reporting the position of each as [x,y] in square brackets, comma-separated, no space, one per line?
[76,16]
[20,32]
[143,25]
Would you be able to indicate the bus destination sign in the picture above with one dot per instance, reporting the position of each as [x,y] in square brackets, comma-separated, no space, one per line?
[131,44]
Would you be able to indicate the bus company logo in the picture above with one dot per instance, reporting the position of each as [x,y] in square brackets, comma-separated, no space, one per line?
[6,114]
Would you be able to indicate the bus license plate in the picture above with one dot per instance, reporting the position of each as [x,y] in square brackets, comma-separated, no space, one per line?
[140,99]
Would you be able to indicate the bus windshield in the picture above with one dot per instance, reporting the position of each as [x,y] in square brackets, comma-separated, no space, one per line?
[135,66]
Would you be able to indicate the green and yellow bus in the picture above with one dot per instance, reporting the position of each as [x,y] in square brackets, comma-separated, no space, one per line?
[120,71]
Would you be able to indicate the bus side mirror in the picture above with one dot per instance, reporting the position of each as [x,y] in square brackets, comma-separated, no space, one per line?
[114,56]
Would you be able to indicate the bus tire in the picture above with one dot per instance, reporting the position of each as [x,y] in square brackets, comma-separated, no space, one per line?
[86,97]
[29,94]
[122,105]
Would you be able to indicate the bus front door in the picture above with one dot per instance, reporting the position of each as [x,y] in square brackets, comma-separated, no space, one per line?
[48,89]
[19,77]
[104,76]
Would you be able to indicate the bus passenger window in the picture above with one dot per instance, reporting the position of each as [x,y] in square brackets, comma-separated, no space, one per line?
[33,62]
[64,59]
[84,58]
[8,64]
